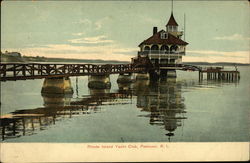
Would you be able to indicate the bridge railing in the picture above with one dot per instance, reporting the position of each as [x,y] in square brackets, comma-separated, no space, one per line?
[14,71]
[22,71]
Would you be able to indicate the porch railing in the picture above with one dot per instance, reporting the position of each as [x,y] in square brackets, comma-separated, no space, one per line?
[146,52]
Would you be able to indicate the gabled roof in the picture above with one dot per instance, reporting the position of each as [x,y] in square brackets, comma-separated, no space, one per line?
[172,21]
[156,39]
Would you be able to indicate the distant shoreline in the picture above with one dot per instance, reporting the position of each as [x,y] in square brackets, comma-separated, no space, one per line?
[22,59]
[218,63]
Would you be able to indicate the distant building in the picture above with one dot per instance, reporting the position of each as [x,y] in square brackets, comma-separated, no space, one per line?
[164,46]
[12,54]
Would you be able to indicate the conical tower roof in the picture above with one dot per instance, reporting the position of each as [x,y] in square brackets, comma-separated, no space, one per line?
[171,21]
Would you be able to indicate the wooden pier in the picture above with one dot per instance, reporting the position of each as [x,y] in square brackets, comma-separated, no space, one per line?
[218,73]
[25,71]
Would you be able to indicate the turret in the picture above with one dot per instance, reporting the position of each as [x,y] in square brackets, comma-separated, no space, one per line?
[172,27]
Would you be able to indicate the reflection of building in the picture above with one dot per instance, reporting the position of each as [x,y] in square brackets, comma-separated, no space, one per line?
[165,104]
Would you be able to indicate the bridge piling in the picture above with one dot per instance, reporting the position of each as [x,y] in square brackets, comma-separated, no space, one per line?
[200,75]
[60,85]
[99,81]
[171,74]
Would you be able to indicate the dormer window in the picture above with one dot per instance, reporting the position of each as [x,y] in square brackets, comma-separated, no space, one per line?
[164,35]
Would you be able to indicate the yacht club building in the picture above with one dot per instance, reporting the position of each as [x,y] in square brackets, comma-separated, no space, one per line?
[164,47]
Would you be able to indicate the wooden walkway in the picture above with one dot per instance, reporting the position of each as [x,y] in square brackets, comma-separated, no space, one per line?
[23,71]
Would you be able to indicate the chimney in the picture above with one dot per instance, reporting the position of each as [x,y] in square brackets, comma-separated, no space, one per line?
[154,30]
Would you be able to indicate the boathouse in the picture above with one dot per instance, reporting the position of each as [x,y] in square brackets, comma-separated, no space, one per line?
[164,47]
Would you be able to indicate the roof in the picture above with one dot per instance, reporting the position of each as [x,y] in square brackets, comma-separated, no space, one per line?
[156,39]
[172,21]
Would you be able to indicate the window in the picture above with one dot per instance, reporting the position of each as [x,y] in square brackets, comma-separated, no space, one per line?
[146,48]
[164,48]
[172,28]
[155,47]
[164,35]
[173,48]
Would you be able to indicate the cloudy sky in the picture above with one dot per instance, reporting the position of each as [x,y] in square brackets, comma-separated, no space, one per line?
[112,30]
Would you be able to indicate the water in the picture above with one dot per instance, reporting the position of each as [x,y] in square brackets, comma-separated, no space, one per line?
[181,110]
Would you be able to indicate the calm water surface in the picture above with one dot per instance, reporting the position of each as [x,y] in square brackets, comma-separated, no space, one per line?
[181,110]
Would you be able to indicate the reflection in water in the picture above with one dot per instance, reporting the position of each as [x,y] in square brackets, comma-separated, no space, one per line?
[98,92]
[58,107]
[51,100]
[164,103]
[77,94]
[26,122]
[161,101]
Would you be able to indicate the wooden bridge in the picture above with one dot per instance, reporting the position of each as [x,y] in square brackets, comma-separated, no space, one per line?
[24,71]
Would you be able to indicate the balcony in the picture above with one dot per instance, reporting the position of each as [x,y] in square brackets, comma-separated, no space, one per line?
[161,53]
[176,33]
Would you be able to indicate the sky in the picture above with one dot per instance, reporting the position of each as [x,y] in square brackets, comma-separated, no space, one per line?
[217,31]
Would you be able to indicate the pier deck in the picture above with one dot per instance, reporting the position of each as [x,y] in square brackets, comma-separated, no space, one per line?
[218,73]
[24,71]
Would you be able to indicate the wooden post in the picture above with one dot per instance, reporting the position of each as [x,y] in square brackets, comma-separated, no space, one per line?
[14,128]
[40,69]
[199,75]
[40,123]
[3,132]
[24,70]
[32,124]
[23,122]
[14,70]
[54,119]
[4,70]
[33,70]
